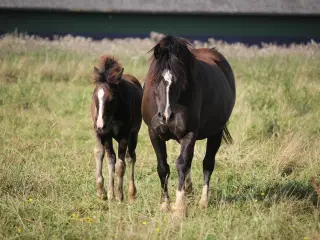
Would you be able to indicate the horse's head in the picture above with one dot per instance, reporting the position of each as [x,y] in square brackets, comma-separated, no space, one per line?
[173,62]
[107,77]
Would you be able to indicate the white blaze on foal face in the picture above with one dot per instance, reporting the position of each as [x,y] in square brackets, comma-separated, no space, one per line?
[167,76]
[100,110]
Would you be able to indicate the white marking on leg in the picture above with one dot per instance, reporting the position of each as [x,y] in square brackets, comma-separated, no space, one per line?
[100,110]
[111,170]
[168,78]
[180,196]
[204,197]
[99,154]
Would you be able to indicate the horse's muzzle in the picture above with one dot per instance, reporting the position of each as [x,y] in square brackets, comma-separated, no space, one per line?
[165,118]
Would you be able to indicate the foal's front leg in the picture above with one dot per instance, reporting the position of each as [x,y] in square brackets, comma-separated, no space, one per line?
[121,165]
[99,154]
[183,165]
[111,166]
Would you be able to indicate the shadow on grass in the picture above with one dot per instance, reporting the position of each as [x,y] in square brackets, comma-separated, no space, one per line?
[274,193]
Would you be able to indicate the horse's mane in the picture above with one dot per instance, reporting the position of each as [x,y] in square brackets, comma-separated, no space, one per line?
[172,53]
[107,71]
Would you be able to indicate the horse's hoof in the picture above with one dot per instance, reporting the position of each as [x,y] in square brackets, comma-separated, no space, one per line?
[165,206]
[132,192]
[179,210]
[188,189]
[203,203]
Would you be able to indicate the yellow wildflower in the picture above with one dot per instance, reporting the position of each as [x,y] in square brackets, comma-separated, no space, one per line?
[19,230]
[144,222]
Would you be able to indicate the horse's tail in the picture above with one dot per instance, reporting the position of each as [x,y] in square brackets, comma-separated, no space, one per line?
[108,70]
[227,136]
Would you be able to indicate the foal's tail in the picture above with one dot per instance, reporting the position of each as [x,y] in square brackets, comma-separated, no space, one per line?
[227,136]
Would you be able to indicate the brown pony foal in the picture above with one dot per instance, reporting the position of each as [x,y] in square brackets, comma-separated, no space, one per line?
[116,114]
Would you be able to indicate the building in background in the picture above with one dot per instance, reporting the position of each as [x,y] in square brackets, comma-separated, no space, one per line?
[248,21]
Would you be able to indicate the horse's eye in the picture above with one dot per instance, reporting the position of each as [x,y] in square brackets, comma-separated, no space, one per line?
[166,83]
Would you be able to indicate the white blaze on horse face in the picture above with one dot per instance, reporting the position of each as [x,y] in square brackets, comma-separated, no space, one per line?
[100,110]
[168,78]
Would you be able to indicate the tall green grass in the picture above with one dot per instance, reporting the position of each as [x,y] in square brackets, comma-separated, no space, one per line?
[260,187]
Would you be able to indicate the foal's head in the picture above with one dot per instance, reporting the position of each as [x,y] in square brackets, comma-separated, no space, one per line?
[173,62]
[107,76]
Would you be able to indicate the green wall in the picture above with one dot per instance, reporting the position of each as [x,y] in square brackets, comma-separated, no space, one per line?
[129,24]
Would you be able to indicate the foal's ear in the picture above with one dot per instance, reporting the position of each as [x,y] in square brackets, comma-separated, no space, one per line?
[115,78]
[157,51]
[96,71]
[97,76]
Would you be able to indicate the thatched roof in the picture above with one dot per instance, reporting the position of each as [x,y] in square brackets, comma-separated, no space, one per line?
[171,6]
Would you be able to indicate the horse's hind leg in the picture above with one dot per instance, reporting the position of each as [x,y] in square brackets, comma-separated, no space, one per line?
[121,165]
[213,144]
[99,154]
[163,169]
[131,159]
[188,183]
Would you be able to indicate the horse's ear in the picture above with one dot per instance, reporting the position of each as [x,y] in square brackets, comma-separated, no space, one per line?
[157,51]
[116,77]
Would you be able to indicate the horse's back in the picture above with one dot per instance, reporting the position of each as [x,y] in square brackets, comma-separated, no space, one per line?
[132,80]
[217,85]
[213,56]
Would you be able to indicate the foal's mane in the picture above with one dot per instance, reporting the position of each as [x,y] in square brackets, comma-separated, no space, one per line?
[107,71]
[172,53]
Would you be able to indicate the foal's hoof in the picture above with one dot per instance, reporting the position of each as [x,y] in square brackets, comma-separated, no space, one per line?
[102,195]
[203,203]
[111,196]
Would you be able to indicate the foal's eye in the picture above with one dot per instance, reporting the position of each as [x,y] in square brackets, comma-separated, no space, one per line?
[166,83]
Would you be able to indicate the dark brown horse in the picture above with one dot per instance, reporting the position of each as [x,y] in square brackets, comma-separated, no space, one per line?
[116,114]
[189,95]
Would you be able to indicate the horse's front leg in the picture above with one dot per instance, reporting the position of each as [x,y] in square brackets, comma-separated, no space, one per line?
[163,169]
[183,165]
[121,165]
[99,155]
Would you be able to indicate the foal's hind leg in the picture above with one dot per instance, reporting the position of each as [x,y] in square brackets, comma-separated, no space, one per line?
[131,158]
[121,165]
[99,154]
[213,144]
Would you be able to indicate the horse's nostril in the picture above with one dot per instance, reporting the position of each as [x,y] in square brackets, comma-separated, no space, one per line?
[161,117]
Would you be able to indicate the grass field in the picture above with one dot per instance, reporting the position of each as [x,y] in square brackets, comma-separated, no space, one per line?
[260,188]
